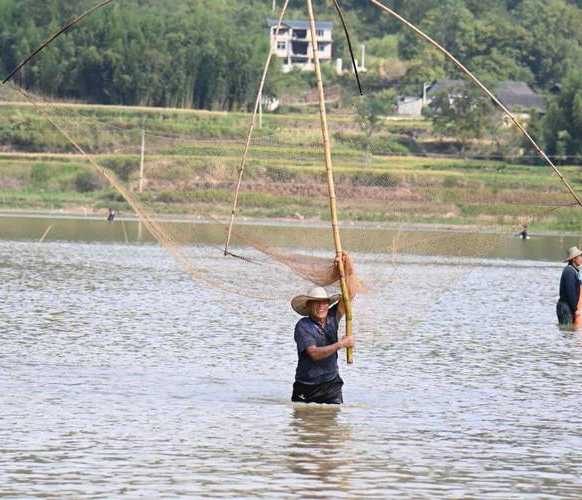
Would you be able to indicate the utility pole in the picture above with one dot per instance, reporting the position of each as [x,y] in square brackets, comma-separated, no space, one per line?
[141,163]
[363,63]
[261,111]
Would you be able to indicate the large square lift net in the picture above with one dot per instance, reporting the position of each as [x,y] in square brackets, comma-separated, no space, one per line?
[179,180]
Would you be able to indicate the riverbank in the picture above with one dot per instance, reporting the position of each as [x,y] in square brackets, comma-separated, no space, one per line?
[395,190]
[191,160]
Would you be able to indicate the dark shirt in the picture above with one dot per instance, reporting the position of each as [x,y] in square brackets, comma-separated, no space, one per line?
[308,333]
[570,287]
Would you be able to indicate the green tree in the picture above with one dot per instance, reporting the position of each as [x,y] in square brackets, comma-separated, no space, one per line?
[370,110]
[562,125]
[427,67]
[463,113]
[552,37]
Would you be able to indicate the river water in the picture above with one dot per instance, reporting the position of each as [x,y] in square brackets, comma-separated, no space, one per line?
[120,376]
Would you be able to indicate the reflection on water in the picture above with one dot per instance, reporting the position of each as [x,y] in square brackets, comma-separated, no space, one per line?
[120,376]
[319,451]
[356,237]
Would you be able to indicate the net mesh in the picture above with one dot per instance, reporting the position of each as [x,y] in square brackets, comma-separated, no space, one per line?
[387,199]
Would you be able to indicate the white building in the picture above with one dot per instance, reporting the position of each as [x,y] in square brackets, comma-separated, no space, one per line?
[409,105]
[293,43]
[519,98]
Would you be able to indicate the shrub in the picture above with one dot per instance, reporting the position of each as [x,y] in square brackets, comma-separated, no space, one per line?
[372,179]
[123,167]
[279,174]
[112,196]
[86,182]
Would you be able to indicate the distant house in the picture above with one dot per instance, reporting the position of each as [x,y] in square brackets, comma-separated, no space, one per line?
[518,97]
[409,106]
[293,43]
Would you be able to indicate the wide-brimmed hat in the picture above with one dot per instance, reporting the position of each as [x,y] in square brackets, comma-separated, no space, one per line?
[299,303]
[572,253]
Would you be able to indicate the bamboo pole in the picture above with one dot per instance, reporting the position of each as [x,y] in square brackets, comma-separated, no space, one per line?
[45,234]
[330,181]
[243,162]
[483,88]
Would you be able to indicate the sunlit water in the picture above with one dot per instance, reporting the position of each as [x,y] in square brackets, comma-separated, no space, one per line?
[122,376]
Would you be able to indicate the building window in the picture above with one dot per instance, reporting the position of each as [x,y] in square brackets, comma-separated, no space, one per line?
[319,33]
[281,45]
[321,48]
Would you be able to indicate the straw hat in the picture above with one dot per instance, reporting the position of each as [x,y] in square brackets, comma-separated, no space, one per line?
[572,253]
[299,303]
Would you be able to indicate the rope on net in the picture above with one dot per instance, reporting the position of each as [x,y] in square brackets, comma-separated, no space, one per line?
[165,239]
[241,168]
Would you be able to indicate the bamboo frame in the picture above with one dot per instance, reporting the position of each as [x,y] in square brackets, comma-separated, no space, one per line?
[346,299]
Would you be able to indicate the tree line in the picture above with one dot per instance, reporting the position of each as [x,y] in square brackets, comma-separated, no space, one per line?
[210,53]
[202,54]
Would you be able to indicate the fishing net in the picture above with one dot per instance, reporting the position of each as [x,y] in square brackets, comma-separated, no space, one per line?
[188,177]
[176,171]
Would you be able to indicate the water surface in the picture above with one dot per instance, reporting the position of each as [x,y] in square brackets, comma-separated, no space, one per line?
[122,376]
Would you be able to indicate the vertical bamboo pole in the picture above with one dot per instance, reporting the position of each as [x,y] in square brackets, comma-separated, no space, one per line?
[330,181]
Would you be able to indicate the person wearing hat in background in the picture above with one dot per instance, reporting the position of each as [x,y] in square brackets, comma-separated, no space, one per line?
[567,307]
[317,377]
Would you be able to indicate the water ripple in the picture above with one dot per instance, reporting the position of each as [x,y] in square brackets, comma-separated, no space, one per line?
[120,376]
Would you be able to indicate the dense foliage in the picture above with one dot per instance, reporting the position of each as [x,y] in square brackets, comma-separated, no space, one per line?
[466,116]
[562,125]
[204,54]
[209,53]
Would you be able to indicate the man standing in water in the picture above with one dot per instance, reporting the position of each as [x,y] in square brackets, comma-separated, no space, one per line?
[317,377]
[567,307]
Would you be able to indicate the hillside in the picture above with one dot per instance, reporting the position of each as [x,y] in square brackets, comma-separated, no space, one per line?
[192,158]
[188,72]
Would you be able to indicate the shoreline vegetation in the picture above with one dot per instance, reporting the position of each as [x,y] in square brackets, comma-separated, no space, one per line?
[402,175]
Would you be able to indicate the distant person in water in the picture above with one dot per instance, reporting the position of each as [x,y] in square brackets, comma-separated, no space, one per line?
[523,234]
[111,215]
[317,377]
[567,307]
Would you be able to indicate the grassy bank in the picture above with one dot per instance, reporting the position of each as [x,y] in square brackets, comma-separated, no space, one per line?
[192,159]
